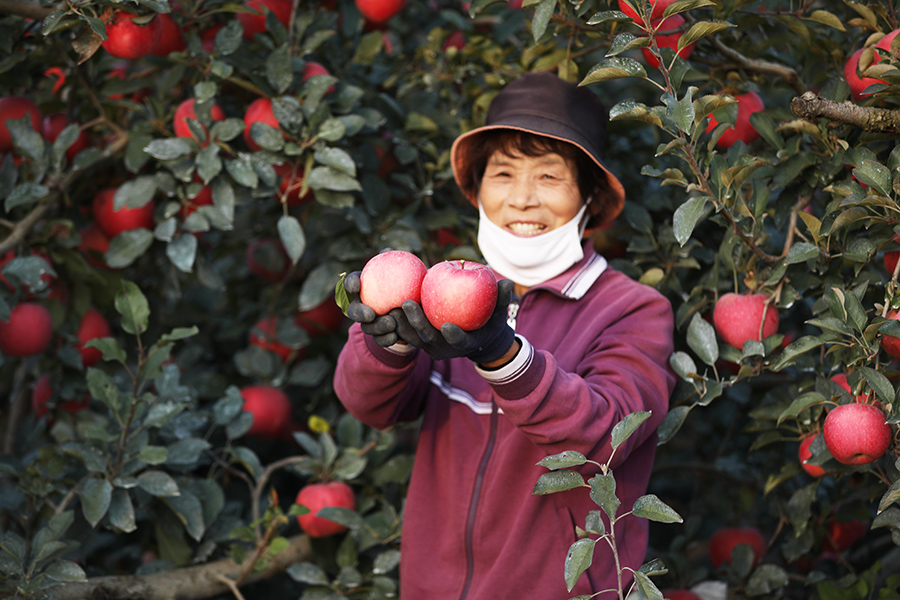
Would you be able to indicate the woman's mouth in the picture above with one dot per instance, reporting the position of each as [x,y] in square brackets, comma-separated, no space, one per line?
[526,229]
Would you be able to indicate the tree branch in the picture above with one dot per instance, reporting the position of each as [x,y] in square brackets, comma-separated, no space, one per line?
[32,10]
[867,118]
[788,74]
[201,581]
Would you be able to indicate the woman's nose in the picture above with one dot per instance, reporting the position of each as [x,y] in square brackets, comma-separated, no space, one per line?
[522,194]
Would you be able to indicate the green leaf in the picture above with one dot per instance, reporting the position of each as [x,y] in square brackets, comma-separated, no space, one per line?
[337,158]
[127,247]
[332,130]
[26,140]
[242,171]
[541,18]
[652,508]
[153,455]
[603,493]
[331,179]
[801,252]
[800,404]
[168,149]
[132,305]
[680,111]
[683,364]
[767,579]
[292,237]
[95,495]
[102,387]
[891,496]
[875,175]
[578,560]
[563,460]
[158,483]
[65,571]
[614,68]
[189,511]
[686,217]
[647,587]
[182,252]
[671,423]
[308,573]
[826,18]
[879,383]
[557,481]
[795,349]
[109,347]
[701,337]
[25,194]
[627,426]
[135,193]
[121,512]
[700,30]
[637,111]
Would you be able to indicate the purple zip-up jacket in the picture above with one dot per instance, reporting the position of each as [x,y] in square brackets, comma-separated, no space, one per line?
[596,346]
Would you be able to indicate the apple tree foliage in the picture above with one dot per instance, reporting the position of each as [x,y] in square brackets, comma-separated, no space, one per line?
[159,477]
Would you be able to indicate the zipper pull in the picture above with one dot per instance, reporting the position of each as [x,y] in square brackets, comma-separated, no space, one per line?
[511,312]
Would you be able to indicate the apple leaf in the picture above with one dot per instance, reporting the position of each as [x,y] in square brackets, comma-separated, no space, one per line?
[189,511]
[626,41]
[702,29]
[121,511]
[766,580]
[95,494]
[614,68]
[891,496]
[609,15]
[701,337]
[24,194]
[800,404]
[593,523]
[651,507]
[627,426]
[228,407]
[637,111]
[680,110]
[683,365]
[134,308]
[801,252]
[578,560]
[879,383]
[603,493]
[110,348]
[307,572]
[563,460]
[890,517]
[557,481]
[292,237]
[672,423]
[103,388]
[875,175]
[647,588]
[653,567]
[542,15]
[686,217]
[182,251]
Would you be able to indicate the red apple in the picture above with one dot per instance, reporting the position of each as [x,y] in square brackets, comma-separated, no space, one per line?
[889,343]
[390,278]
[311,69]
[667,36]
[803,453]
[742,130]
[42,393]
[53,125]
[255,22]
[680,595]
[28,331]
[93,326]
[94,244]
[16,107]
[656,12]
[857,434]
[724,541]
[462,292]
[841,535]
[291,188]
[271,410]
[131,36]
[267,258]
[322,319]
[379,11]
[113,222]
[171,38]
[857,83]
[186,111]
[265,335]
[315,497]
[208,37]
[259,111]
[737,318]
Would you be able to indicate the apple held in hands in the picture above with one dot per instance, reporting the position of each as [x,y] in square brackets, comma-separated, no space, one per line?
[738,317]
[857,434]
[390,278]
[317,496]
[462,292]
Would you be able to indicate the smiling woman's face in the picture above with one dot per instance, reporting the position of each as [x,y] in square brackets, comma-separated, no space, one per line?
[528,196]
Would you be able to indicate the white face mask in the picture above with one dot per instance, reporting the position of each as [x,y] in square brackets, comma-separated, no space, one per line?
[529,261]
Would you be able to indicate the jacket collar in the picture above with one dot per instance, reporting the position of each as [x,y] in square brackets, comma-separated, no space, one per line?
[574,282]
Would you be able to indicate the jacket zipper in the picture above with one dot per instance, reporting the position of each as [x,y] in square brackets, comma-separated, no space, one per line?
[473,506]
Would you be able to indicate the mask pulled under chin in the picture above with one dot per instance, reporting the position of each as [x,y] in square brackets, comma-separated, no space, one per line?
[529,261]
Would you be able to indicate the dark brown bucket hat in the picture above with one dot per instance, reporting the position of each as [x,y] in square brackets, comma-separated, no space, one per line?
[544,104]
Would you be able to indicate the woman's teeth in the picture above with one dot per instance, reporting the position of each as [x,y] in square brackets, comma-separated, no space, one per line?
[526,228]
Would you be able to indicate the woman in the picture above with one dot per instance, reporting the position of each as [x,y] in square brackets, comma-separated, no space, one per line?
[572,348]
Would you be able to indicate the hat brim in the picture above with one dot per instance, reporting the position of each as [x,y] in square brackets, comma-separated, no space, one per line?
[603,209]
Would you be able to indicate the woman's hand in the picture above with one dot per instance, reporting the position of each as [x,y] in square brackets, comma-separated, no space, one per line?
[484,345]
[383,329]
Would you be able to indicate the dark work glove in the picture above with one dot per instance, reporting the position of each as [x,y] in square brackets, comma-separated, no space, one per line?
[482,345]
[383,328]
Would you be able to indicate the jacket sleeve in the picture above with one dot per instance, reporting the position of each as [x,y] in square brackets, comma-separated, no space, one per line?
[378,386]
[624,369]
